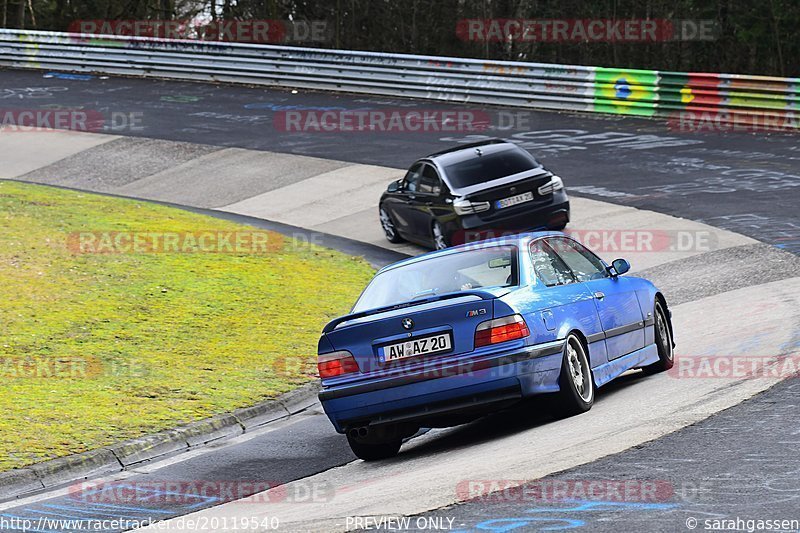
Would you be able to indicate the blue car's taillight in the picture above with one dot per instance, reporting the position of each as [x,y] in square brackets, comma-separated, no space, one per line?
[500,330]
[336,363]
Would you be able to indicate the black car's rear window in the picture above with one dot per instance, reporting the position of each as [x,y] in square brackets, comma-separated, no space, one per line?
[489,167]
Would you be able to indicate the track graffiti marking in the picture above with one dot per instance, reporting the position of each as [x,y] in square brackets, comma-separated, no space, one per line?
[30,92]
[575,139]
[563,518]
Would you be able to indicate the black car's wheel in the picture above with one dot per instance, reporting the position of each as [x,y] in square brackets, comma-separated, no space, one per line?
[666,356]
[559,226]
[389,229]
[371,451]
[576,394]
[440,240]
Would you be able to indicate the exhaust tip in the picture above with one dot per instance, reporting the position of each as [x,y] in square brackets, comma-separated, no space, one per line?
[359,432]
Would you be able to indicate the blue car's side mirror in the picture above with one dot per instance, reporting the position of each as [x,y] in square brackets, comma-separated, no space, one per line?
[620,266]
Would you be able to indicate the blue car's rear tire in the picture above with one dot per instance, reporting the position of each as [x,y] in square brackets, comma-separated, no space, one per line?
[576,394]
[371,451]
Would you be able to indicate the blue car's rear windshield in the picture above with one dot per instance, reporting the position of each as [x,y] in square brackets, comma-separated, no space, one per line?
[489,167]
[494,266]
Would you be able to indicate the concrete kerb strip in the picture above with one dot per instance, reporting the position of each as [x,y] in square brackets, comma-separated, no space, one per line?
[117,457]
[19,482]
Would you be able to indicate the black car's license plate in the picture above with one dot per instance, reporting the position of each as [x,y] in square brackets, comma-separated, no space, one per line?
[514,200]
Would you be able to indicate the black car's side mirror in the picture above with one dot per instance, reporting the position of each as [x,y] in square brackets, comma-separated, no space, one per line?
[394,186]
[619,267]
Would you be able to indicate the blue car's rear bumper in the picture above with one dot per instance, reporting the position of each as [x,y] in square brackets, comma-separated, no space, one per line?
[456,388]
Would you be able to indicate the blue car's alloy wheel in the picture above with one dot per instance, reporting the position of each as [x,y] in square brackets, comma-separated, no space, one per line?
[576,394]
[579,370]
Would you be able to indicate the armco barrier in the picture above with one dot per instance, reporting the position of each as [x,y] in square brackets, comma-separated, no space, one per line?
[739,99]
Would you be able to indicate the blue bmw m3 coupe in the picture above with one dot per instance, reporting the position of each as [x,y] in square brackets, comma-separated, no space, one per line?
[446,337]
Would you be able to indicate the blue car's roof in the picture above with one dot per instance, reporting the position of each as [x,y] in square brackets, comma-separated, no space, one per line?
[518,239]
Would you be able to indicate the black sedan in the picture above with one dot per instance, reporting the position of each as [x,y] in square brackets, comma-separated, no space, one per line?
[470,193]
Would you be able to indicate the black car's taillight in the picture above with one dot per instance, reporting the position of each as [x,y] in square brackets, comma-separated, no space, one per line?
[466,207]
[555,184]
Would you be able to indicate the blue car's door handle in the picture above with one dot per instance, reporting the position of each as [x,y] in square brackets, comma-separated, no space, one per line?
[599,295]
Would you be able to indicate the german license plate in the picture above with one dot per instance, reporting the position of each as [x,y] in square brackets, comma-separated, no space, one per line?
[514,200]
[415,347]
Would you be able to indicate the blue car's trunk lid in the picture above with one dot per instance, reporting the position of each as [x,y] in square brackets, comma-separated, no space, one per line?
[370,335]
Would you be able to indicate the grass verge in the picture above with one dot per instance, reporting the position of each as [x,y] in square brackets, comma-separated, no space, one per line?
[100,347]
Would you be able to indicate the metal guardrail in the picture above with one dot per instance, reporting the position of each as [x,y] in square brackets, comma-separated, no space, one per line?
[727,98]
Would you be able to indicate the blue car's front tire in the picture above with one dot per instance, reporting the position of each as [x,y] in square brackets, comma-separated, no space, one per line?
[663,338]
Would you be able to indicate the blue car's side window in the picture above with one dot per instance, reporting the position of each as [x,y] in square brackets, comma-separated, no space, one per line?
[584,264]
[549,268]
